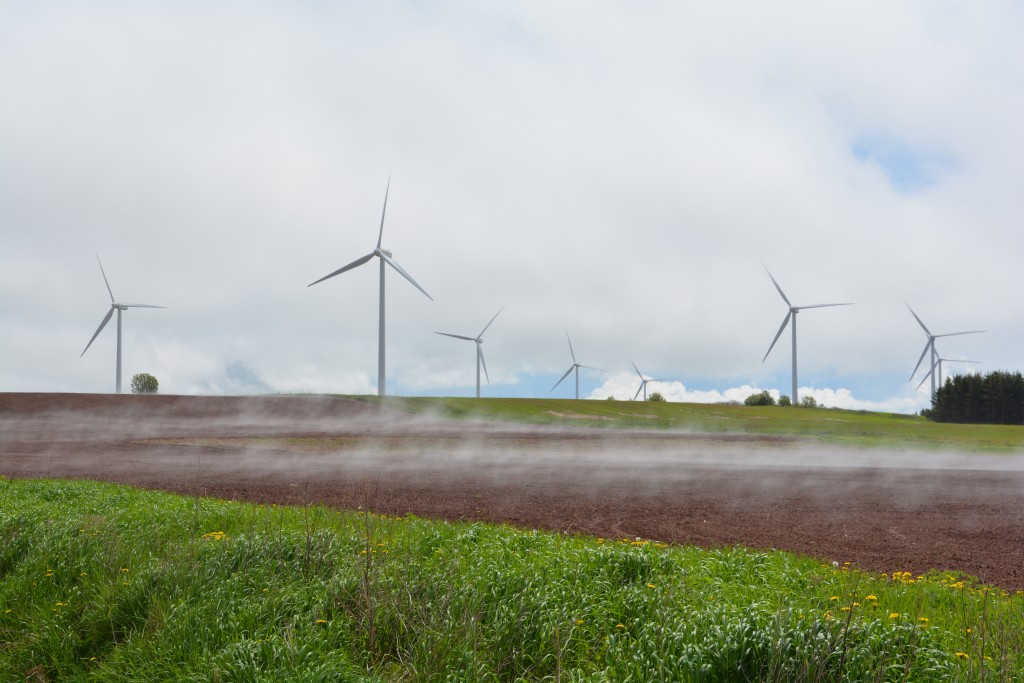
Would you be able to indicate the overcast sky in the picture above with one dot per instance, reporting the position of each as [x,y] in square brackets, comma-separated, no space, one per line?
[617,171]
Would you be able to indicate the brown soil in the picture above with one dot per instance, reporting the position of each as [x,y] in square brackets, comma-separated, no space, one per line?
[882,511]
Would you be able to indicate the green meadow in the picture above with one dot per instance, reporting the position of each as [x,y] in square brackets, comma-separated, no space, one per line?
[854,428]
[100,582]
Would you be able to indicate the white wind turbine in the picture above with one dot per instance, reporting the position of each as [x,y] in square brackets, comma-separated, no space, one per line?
[930,346]
[574,367]
[385,257]
[793,310]
[114,306]
[643,382]
[938,366]
[479,339]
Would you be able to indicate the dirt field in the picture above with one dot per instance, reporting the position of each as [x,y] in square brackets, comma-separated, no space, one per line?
[882,511]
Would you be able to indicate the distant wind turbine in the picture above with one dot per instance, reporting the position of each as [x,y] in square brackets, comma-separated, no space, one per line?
[114,306]
[793,310]
[574,367]
[385,257]
[930,346]
[479,339]
[939,362]
[643,382]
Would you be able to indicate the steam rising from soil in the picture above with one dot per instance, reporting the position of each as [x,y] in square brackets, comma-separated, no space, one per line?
[884,510]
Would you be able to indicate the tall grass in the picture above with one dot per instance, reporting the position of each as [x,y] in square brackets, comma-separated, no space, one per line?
[100,582]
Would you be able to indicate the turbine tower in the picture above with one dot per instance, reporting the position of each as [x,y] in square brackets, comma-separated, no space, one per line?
[938,366]
[793,310]
[574,367]
[930,346]
[385,258]
[119,307]
[479,339]
[643,382]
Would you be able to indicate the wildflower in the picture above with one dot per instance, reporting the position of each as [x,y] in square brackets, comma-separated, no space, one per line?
[321,621]
[969,630]
[834,598]
[7,611]
[619,626]
[651,585]
[894,615]
[870,597]
[579,622]
[963,655]
[124,569]
[846,609]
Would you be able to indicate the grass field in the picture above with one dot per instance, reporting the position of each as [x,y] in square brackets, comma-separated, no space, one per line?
[856,428]
[106,583]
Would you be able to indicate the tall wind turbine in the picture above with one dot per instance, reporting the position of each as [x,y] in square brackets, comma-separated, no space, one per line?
[793,310]
[479,339]
[385,258]
[643,382]
[114,306]
[574,367]
[930,346]
[939,363]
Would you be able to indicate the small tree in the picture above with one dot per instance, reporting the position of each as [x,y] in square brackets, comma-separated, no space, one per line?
[144,383]
[808,402]
[785,401]
[760,399]
[656,397]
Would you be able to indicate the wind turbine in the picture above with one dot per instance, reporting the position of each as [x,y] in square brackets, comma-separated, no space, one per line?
[114,306]
[574,367]
[385,258]
[930,346]
[793,310]
[479,339]
[939,362]
[643,382]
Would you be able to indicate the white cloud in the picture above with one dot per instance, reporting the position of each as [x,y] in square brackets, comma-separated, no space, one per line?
[612,170]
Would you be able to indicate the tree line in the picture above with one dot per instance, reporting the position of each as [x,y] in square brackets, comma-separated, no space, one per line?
[995,398]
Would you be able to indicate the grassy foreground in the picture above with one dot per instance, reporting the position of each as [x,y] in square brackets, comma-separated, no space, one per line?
[107,583]
[850,427]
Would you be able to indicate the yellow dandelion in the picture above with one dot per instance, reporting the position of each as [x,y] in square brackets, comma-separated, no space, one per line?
[124,569]
[894,615]
[963,655]
[321,621]
[846,609]
[579,621]
[834,598]
[651,585]
[870,597]
[619,626]
[969,630]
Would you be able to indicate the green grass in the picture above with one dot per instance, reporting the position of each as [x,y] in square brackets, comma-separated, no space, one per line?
[856,428]
[100,582]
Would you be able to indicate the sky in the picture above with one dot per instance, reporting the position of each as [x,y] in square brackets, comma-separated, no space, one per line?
[621,173]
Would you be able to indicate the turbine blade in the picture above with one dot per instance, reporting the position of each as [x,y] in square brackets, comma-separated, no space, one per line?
[639,389]
[391,262]
[800,308]
[140,306]
[358,262]
[923,327]
[781,293]
[919,360]
[567,373]
[491,321]
[953,334]
[380,235]
[104,281]
[778,334]
[103,323]
[480,355]
[637,370]
[589,367]
[457,336]
[571,352]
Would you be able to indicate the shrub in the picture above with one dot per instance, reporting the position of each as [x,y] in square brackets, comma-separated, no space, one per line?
[656,397]
[808,402]
[144,383]
[760,399]
[785,401]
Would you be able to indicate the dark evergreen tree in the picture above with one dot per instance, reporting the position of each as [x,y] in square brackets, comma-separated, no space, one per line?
[996,398]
